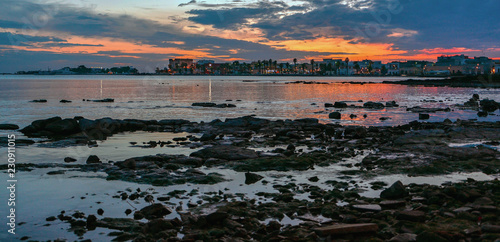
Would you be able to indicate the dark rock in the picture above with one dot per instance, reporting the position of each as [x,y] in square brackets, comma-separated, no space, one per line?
[475,97]
[328,105]
[482,114]
[155,211]
[105,100]
[100,211]
[8,127]
[391,204]
[91,222]
[313,179]
[406,237]
[391,104]
[353,116]
[65,101]
[489,105]
[225,105]
[42,123]
[50,219]
[226,152]
[490,228]
[93,159]
[411,215]
[216,217]
[373,105]
[340,229]
[173,122]
[208,137]
[427,236]
[39,101]
[69,159]
[251,178]
[395,191]
[63,127]
[290,147]
[340,105]
[335,115]
[204,104]
[423,116]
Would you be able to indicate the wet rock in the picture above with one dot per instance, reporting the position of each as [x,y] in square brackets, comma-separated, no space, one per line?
[411,215]
[93,159]
[406,237]
[105,100]
[490,228]
[335,115]
[367,207]
[8,127]
[50,219]
[127,224]
[482,114]
[226,152]
[173,122]
[216,217]
[69,159]
[39,101]
[225,105]
[208,137]
[313,179]
[251,178]
[489,105]
[391,104]
[63,127]
[340,229]
[155,211]
[65,101]
[395,191]
[100,211]
[427,236]
[328,105]
[91,222]
[373,105]
[391,204]
[423,116]
[204,104]
[340,105]
[128,211]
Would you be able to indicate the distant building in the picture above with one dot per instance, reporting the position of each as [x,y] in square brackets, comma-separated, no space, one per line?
[496,69]
[181,66]
[205,62]
[455,60]
[393,68]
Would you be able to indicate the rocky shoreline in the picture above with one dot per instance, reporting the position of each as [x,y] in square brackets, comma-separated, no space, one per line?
[481,81]
[466,211]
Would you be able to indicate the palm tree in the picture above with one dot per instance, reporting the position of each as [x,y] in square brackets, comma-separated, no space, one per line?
[312,66]
[347,64]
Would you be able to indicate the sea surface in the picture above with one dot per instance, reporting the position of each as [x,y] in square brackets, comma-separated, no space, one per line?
[41,195]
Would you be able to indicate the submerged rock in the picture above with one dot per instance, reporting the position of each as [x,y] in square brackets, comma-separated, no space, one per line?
[93,159]
[155,211]
[226,152]
[8,127]
[373,105]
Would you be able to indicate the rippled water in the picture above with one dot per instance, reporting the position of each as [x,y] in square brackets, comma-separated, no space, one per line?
[164,97]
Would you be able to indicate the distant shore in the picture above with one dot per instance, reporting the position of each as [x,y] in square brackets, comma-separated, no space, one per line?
[486,81]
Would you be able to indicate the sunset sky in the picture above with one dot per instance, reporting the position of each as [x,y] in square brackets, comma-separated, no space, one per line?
[53,34]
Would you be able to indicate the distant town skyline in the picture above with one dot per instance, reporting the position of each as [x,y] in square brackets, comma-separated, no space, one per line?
[54,34]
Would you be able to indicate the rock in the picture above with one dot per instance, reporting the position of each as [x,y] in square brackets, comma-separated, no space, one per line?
[411,215]
[93,159]
[204,104]
[313,179]
[373,105]
[225,105]
[39,101]
[225,152]
[395,191]
[105,100]
[489,105]
[100,211]
[490,228]
[423,116]
[482,114]
[353,116]
[406,237]
[328,105]
[339,229]
[65,101]
[273,226]
[391,104]
[69,159]
[335,115]
[86,124]
[63,127]
[367,207]
[251,178]
[208,137]
[427,236]
[173,122]
[475,97]
[390,204]
[8,127]
[91,222]
[290,147]
[155,211]
[340,105]
[216,217]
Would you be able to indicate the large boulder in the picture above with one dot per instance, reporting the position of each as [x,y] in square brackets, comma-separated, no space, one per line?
[335,115]
[395,191]
[340,105]
[251,178]
[225,152]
